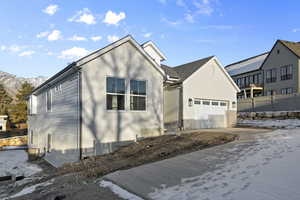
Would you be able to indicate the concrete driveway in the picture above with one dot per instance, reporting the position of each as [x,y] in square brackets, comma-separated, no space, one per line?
[261,167]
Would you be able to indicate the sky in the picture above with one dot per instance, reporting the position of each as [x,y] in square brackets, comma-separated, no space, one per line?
[40,37]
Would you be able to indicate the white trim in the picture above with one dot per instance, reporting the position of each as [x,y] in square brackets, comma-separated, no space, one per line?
[155,48]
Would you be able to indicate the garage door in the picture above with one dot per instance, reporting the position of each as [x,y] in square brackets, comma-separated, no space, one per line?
[210,113]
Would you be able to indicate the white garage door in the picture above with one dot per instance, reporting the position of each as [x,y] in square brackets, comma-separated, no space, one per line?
[210,113]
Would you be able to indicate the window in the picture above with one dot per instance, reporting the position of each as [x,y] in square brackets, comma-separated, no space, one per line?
[286,91]
[31,137]
[206,103]
[286,72]
[57,88]
[197,102]
[138,95]
[223,104]
[271,76]
[278,51]
[49,100]
[32,105]
[256,79]
[215,103]
[233,104]
[115,93]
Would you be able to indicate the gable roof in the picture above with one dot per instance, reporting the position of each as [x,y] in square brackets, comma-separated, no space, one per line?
[246,65]
[292,46]
[80,62]
[184,71]
[155,48]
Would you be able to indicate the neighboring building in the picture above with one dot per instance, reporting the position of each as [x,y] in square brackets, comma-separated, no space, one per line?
[274,72]
[3,123]
[107,99]
[200,94]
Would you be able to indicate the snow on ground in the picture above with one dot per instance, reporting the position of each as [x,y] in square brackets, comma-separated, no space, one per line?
[14,162]
[272,123]
[265,169]
[119,191]
[30,189]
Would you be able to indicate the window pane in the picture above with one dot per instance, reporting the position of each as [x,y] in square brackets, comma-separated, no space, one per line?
[133,87]
[120,85]
[215,103]
[115,102]
[206,103]
[48,100]
[137,103]
[142,87]
[110,85]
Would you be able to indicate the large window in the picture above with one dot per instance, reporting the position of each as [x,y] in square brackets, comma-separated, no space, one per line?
[138,95]
[115,93]
[49,101]
[286,72]
[271,76]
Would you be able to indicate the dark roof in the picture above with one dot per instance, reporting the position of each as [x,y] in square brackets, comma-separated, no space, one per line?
[186,70]
[292,46]
[170,71]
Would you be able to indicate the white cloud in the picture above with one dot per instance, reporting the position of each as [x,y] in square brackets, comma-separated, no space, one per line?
[172,23]
[112,18]
[112,38]
[73,53]
[51,9]
[295,30]
[3,47]
[189,18]
[54,35]
[77,38]
[147,35]
[204,7]
[14,48]
[96,38]
[180,3]
[50,53]
[42,34]
[26,53]
[83,16]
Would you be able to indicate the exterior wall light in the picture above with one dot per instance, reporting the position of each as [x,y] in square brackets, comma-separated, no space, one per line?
[190,102]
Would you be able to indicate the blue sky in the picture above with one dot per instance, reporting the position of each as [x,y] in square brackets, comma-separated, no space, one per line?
[41,37]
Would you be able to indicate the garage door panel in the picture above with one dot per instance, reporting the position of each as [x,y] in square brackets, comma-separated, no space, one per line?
[210,113]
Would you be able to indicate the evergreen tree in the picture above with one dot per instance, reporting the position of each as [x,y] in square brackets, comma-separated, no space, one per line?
[18,112]
[5,100]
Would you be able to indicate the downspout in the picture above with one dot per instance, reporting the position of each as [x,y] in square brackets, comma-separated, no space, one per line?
[80,114]
[180,114]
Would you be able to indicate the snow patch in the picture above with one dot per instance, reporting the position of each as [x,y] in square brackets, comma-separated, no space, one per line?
[119,191]
[14,162]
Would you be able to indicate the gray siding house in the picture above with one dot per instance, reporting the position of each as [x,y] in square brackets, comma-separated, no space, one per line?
[200,94]
[109,98]
[270,73]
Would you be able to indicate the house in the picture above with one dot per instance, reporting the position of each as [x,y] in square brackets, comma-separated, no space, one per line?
[107,99]
[270,73]
[199,94]
[3,123]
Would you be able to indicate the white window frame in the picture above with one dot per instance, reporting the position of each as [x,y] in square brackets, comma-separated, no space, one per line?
[138,95]
[116,94]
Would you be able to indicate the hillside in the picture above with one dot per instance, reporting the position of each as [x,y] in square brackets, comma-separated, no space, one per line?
[12,83]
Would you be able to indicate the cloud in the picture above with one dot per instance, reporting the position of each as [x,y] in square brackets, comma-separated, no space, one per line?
[77,38]
[73,53]
[96,38]
[171,23]
[3,47]
[14,48]
[51,9]
[42,34]
[54,35]
[295,30]
[26,53]
[147,35]
[112,18]
[189,18]
[180,3]
[204,7]
[112,38]
[83,16]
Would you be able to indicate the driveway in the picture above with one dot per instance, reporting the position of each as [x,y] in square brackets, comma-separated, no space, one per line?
[262,167]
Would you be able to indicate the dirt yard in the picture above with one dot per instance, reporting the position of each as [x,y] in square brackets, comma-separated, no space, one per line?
[73,181]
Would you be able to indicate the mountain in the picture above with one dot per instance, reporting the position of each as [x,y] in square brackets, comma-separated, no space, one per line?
[12,83]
